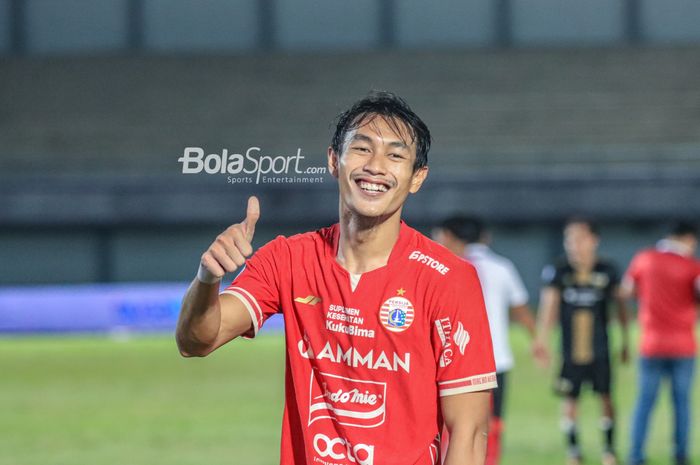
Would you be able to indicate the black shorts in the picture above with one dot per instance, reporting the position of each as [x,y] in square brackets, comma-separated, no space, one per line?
[498,395]
[573,376]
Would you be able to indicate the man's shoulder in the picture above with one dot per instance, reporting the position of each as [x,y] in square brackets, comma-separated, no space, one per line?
[424,251]
[560,265]
[324,234]
[498,261]
[646,256]
[303,242]
[553,271]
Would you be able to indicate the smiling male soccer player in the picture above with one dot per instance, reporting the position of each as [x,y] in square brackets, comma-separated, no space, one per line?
[386,331]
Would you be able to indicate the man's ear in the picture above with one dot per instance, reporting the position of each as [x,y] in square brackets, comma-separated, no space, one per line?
[332,162]
[418,178]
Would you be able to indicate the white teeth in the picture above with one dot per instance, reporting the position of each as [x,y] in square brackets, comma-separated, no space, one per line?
[368,186]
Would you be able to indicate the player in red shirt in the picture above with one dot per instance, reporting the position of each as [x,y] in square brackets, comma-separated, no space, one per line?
[666,281]
[387,338]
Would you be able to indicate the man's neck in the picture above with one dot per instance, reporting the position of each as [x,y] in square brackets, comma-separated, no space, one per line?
[366,244]
[584,264]
[474,247]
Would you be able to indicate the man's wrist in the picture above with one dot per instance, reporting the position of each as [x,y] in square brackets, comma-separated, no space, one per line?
[205,276]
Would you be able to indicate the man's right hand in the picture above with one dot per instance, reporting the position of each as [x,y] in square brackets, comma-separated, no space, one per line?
[229,250]
[541,354]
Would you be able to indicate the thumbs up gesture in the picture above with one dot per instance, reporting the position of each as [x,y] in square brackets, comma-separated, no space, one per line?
[229,250]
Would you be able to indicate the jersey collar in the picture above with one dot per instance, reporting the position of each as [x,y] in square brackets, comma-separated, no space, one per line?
[671,246]
[402,243]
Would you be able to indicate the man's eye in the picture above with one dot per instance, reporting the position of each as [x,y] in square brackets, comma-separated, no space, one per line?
[361,149]
[396,155]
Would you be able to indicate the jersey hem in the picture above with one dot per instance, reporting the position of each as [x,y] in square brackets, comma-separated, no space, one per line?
[474,383]
[462,390]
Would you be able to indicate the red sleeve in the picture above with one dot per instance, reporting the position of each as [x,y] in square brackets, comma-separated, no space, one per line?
[258,284]
[633,269]
[461,337]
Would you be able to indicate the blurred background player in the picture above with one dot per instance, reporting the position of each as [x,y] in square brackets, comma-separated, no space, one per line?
[666,282]
[578,291]
[504,294]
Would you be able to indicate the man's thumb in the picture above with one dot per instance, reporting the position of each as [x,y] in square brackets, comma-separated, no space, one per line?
[251,217]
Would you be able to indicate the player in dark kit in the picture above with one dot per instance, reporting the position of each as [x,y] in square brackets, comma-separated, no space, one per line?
[578,290]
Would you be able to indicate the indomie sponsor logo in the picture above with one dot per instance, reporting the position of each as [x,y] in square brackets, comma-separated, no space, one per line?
[430,262]
[354,358]
[354,396]
[350,402]
[340,449]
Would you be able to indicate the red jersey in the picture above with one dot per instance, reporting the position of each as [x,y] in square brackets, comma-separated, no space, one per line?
[666,288]
[365,368]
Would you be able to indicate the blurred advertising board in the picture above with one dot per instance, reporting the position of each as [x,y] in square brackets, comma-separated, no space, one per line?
[110,308]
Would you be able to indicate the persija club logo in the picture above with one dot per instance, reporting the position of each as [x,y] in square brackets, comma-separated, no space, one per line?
[350,402]
[396,314]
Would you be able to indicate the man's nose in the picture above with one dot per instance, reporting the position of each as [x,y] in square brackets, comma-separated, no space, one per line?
[376,164]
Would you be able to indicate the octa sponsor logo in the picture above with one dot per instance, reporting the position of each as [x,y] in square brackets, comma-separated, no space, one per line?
[339,449]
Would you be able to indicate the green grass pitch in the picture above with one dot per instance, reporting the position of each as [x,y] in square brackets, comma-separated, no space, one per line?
[97,400]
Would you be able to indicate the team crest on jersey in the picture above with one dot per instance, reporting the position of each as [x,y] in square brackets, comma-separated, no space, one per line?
[600,280]
[396,314]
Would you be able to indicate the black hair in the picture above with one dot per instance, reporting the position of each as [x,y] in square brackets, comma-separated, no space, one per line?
[592,225]
[469,229]
[395,111]
[684,228]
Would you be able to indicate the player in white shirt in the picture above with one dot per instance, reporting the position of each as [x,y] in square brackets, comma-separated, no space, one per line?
[504,295]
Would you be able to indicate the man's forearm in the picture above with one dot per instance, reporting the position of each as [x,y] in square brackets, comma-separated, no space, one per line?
[467,422]
[523,316]
[467,446]
[547,314]
[623,315]
[544,325]
[200,319]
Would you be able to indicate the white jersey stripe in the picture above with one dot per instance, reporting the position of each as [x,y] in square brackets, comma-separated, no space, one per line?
[248,307]
[469,379]
[471,388]
[253,300]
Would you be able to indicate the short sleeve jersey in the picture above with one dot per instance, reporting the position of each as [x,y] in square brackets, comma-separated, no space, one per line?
[366,367]
[583,310]
[667,287]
